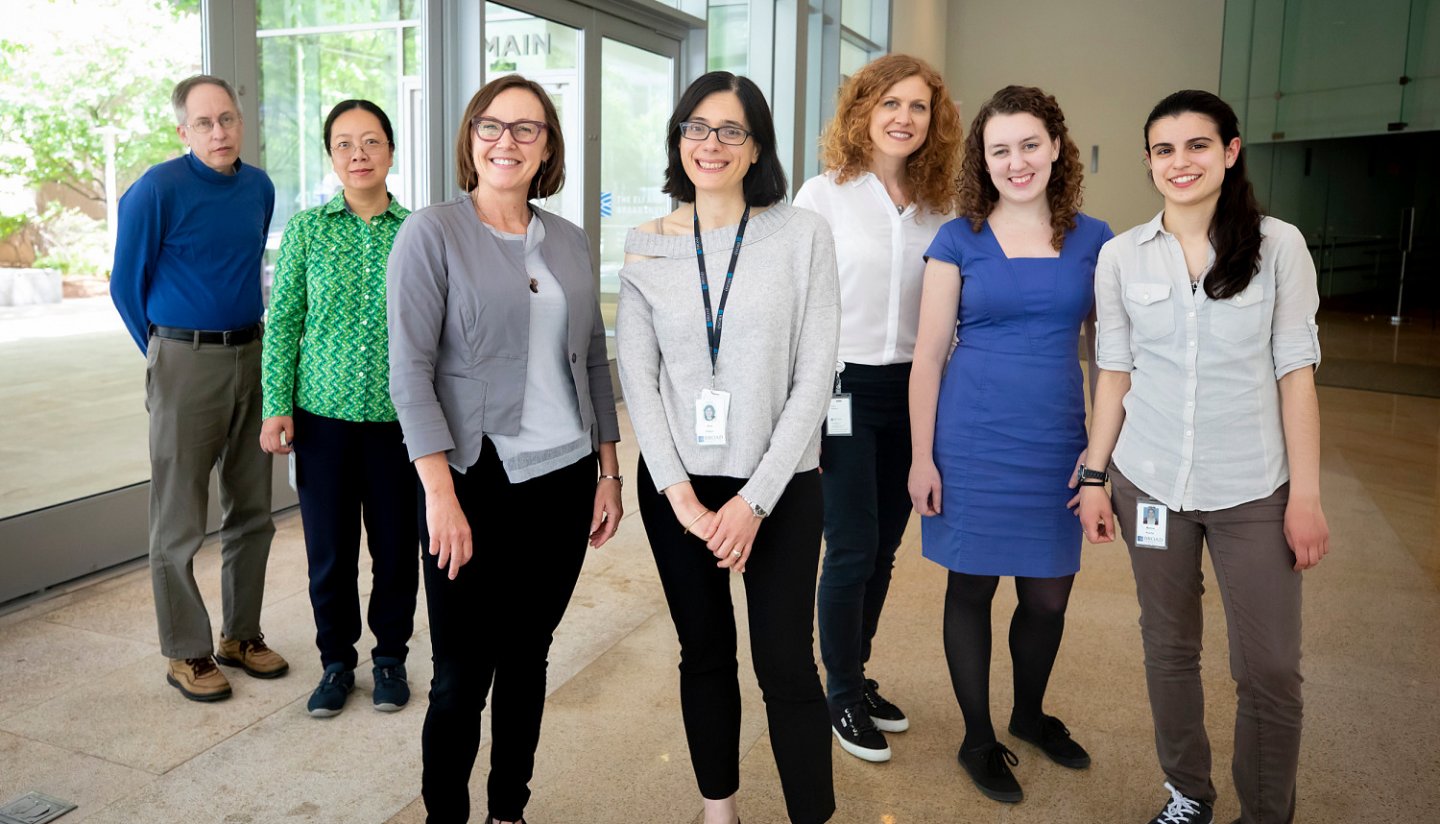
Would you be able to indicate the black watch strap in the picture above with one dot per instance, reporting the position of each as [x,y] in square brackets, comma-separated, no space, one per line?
[1092,477]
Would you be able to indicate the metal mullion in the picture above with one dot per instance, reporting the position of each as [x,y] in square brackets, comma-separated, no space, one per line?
[339,28]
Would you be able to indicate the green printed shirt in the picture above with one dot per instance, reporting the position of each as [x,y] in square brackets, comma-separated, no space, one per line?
[326,343]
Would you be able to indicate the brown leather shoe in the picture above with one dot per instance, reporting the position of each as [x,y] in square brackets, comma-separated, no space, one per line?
[198,679]
[252,656]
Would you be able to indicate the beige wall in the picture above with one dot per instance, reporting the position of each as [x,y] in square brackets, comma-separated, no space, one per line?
[917,27]
[1107,61]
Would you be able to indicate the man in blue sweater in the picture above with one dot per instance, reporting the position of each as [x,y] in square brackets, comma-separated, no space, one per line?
[187,283]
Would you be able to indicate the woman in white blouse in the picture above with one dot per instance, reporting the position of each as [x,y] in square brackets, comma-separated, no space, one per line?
[1205,409]
[892,155]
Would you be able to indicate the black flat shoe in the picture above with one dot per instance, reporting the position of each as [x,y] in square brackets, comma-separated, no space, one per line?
[1054,740]
[989,767]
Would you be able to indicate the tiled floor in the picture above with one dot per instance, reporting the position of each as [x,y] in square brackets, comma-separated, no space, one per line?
[85,713]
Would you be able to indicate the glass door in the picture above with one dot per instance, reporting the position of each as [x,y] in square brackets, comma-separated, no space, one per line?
[637,92]
[550,53]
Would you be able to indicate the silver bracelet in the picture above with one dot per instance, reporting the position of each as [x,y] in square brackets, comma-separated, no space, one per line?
[619,479]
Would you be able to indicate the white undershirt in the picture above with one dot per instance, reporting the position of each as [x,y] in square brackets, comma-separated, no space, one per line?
[551,435]
[881,255]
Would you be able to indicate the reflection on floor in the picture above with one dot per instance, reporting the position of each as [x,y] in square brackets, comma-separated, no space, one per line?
[85,714]
[1369,352]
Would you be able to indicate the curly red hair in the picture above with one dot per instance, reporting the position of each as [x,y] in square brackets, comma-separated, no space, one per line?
[1064,192]
[846,145]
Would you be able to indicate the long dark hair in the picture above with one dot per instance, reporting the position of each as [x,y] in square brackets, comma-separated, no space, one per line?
[765,181]
[1235,227]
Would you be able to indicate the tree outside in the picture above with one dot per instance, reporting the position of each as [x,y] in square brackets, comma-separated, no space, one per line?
[68,71]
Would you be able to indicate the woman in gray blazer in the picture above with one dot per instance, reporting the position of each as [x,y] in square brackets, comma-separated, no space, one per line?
[500,377]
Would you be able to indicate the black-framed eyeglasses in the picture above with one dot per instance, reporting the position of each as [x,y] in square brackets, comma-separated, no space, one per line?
[204,125]
[729,135]
[489,129]
[370,145]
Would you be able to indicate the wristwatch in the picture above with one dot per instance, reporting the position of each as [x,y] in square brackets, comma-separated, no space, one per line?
[1091,477]
[755,509]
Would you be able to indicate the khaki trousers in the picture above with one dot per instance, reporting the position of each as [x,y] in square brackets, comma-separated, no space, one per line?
[204,404]
[1261,593]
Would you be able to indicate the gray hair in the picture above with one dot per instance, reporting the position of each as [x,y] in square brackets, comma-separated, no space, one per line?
[182,93]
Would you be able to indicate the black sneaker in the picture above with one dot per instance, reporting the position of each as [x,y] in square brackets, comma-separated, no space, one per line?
[989,767]
[1054,740]
[328,699]
[887,716]
[392,692]
[857,734]
[1182,809]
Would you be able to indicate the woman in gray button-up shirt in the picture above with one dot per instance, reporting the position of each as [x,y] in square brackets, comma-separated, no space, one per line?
[500,377]
[1207,345]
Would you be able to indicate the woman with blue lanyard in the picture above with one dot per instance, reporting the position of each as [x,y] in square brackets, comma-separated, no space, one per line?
[727,375]
[327,397]
[892,155]
[1207,419]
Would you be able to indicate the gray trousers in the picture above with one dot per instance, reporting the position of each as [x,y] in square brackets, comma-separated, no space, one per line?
[204,404]
[1261,593]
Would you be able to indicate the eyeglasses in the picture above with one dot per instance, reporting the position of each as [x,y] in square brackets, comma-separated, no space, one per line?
[370,145]
[489,129]
[204,125]
[729,135]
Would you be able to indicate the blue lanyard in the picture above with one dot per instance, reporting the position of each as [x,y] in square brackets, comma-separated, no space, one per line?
[713,325]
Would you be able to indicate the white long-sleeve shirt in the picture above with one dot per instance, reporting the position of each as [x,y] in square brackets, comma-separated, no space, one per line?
[1202,418]
[881,257]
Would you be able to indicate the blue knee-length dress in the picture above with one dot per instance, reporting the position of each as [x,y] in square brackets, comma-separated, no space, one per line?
[1011,416]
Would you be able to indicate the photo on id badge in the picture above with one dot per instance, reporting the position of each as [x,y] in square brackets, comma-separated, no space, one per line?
[712,408]
[1150,521]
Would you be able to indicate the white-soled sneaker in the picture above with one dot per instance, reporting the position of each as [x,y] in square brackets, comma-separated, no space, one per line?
[857,734]
[887,716]
[1182,809]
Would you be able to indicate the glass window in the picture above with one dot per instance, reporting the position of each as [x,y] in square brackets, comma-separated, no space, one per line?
[85,111]
[637,90]
[729,36]
[852,58]
[548,53]
[305,68]
[857,16]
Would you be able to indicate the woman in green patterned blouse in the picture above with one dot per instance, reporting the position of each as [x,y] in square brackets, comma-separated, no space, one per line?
[327,398]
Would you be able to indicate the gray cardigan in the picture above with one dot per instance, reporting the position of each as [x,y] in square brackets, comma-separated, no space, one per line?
[459,312]
[777,350]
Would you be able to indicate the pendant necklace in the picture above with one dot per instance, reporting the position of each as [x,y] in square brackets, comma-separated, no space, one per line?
[534,284]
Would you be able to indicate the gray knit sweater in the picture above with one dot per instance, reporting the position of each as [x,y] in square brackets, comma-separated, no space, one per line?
[777,350]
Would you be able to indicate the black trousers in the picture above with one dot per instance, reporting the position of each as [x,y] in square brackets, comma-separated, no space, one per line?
[493,625]
[780,596]
[867,507]
[346,472]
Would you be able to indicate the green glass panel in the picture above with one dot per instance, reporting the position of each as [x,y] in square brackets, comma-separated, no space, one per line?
[729,37]
[292,14]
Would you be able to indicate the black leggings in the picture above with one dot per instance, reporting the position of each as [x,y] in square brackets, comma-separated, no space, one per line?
[780,600]
[1035,632]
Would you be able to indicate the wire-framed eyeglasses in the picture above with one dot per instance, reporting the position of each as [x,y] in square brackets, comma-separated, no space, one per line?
[204,125]
[370,145]
[489,129]
[729,135]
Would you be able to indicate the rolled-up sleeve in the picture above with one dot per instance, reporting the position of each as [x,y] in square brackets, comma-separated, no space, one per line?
[417,282]
[1112,324]
[1294,334]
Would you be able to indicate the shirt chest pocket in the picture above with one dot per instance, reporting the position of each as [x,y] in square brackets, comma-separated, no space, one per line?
[1151,311]
[1239,317]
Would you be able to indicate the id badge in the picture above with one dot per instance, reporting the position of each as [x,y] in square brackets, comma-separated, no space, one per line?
[712,410]
[837,420]
[1150,520]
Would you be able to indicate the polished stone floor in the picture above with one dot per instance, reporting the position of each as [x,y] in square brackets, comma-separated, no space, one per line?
[85,713]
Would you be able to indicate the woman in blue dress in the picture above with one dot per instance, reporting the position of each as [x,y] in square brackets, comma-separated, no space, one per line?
[997,434]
